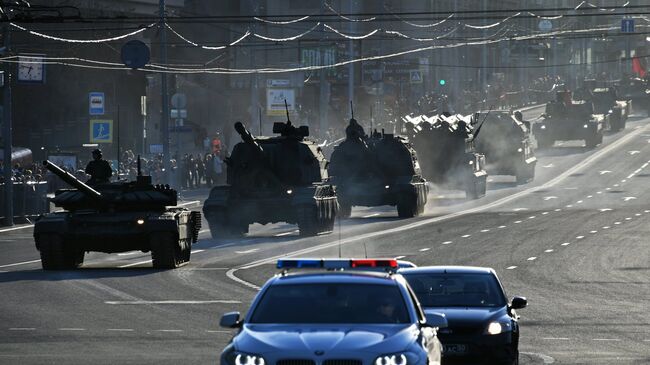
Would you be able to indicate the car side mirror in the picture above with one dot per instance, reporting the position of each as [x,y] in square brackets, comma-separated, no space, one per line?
[437,320]
[230,320]
[518,303]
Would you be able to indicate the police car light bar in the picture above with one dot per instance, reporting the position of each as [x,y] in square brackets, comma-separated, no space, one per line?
[336,263]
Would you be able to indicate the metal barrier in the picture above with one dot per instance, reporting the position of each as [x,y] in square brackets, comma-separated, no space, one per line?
[30,199]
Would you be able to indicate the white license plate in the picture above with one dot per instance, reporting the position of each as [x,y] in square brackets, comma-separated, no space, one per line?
[454,349]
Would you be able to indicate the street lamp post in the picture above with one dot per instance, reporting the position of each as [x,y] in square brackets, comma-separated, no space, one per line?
[7,134]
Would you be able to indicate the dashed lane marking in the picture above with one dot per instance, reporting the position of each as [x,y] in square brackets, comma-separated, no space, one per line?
[533,258]
[628,198]
[544,213]
[556,338]
[628,219]
[170,331]
[606,227]
[247,251]
[549,250]
[120,329]
[22,329]
[637,214]
[606,339]
[511,267]
[517,222]
[409,226]
[502,227]
[605,172]
[532,217]
[547,198]
[589,196]
[170,302]
[72,329]
[485,230]
[519,209]
[599,192]
[602,210]
[399,257]
[425,249]
[447,242]
[593,232]
[580,237]
[21,263]
[135,264]
[566,243]
[570,206]
[617,223]
[217,331]
[16,228]
[466,236]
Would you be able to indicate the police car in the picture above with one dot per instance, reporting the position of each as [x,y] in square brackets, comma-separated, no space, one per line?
[483,325]
[343,312]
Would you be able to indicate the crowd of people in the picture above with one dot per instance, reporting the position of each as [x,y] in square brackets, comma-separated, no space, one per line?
[25,174]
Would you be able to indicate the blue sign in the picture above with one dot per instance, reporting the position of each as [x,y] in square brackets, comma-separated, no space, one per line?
[101,131]
[96,103]
[627,25]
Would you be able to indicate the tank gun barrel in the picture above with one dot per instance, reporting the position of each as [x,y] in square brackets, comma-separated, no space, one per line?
[71,180]
[247,137]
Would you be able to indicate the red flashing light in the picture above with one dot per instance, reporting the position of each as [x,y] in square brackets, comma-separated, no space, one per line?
[373,263]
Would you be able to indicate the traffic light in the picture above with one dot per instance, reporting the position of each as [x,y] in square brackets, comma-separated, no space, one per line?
[442,82]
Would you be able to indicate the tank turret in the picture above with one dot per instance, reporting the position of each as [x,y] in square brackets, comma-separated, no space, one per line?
[117,196]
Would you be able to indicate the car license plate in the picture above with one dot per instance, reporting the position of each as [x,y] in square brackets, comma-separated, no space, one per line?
[454,349]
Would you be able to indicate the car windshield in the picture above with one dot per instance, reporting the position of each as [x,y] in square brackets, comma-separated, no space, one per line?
[456,290]
[331,303]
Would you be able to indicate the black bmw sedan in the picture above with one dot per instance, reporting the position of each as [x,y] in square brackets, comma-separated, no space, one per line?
[482,324]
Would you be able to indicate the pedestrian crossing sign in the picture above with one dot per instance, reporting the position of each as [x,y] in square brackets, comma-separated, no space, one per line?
[101,131]
[416,77]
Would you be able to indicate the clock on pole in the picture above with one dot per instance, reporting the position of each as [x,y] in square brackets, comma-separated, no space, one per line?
[31,69]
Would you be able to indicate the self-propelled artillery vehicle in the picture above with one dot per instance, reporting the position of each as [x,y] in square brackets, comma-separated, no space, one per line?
[380,169]
[568,120]
[504,138]
[273,179]
[638,91]
[615,110]
[445,147]
[115,217]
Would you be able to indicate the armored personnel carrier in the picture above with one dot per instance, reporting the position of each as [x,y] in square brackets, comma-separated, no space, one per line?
[381,169]
[638,91]
[504,138]
[567,120]
[615,110]
[273,179]
[115,217]
[445,147]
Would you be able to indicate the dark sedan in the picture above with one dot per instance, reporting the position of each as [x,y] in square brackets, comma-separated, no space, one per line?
[482,324]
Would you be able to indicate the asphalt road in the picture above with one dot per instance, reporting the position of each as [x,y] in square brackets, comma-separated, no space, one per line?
[574,242]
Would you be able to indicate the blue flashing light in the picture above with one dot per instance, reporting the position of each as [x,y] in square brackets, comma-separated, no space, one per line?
[299,264]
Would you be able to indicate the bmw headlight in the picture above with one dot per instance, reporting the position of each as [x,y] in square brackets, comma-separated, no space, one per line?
[247,359]
[496,328]
[395,359]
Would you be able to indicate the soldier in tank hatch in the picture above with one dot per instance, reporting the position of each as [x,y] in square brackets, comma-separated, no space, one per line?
[99,169]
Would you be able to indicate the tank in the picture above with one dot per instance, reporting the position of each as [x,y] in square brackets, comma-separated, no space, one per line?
[607,103]
[381,169]
[504,138]
[566,120]
[115,217]
[273,179]
[445,147]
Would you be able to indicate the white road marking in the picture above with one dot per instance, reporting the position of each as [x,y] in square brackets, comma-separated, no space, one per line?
[570,206]
[646,211]
[632,153]
[21,263]
[617,223]
[371,215]
[425,249]
[547,198]
[22,329]
[286,233]
[628,219]
[120,329]
[628,198]
[16,228]
[399,257]
[606,339]
[558,210]
[466,235]
[519,209]
[589,196]
[544,213]
[485,230]
[533,258]
[561,177]
[502,227]
[197,251]
[631,175]
[247,251]
[549,250]
[511,267]
[608,188]
[599,192]
[579,202]
[217,331]
[616,185]
[128,253]
[531,217]
[638,214]
[207,268]
[173,302]
[593,232]
[447,242]
[605,172]
[72,329]
[556,338]
[566,243]
[580,237]
[169,331]
[602,210]
[606,227]
[517,222]
[624,180]
[135,264]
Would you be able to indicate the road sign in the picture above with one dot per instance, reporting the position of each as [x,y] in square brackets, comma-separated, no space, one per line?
[278,83]
[178,113]
[545,25]
[627,25]
[275,101]
[96,103]
[416,77]
[135,54]
[101,131]
[179,101]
